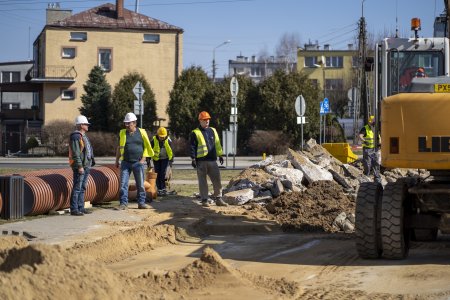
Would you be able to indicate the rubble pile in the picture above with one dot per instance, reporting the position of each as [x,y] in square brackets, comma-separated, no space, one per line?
[307,190]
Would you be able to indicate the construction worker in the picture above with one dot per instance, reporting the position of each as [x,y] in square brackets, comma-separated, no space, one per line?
[81,159]
[163,157]
[134,147]
[421,72]
[370,154]
[205,148]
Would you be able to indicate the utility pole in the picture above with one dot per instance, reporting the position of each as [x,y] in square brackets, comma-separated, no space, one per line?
[447,4]
[362,77]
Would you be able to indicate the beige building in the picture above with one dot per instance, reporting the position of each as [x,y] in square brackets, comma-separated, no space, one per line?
[333,71]
[112,37]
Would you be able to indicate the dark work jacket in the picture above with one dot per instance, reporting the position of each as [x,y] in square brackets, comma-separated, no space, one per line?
[208,134]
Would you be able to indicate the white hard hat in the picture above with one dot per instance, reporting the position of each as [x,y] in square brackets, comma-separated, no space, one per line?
[81,120]
[130,117]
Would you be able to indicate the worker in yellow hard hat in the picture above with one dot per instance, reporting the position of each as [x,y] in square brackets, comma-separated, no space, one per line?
[162,159]
[205,149]
[370,153]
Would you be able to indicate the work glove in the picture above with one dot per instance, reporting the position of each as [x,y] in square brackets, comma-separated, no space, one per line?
[149,162]
[221,160]
[194,163]
[93,162]
[171,163]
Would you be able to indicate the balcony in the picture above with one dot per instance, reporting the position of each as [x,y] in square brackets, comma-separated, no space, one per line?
[52,74]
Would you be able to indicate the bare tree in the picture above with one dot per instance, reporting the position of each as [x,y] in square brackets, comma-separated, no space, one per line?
[286,50]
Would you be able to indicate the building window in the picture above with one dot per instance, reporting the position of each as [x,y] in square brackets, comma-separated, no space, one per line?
[256,71]
[334,61]
[334,84]
[105,59]
[151,38]
[10,76]
[311,61]
[68,52]
[314,82]
[9,106]
[78,36]
[67,94]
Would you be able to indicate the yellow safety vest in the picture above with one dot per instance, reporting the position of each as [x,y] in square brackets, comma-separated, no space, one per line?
[369,138]
[148,151]
[202,149]
[71,160]
[157,150]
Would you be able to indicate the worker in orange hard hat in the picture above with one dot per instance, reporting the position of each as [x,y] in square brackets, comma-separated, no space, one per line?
[421,72]
[163,157]
[205,148]
[370,153]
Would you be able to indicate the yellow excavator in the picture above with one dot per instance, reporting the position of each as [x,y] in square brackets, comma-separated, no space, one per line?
[414,121]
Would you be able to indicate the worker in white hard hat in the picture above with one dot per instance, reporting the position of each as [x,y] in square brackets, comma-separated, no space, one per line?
[81,159]
[370,153]
[163,157]
[133,150]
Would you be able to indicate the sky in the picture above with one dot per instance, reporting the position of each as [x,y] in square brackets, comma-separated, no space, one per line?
[251,26]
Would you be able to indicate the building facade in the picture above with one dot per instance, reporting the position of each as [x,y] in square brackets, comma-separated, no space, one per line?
[116,39]
[256,69]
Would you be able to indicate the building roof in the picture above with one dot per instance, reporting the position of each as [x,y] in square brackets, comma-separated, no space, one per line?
[104,16]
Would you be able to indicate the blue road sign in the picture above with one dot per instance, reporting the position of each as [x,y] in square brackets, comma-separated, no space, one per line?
[326,106]
[322,111]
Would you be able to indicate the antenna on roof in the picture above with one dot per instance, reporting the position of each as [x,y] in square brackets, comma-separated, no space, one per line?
[136,9]
[396,18]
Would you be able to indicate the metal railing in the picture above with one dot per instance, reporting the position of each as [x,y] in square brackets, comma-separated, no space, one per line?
[53,72]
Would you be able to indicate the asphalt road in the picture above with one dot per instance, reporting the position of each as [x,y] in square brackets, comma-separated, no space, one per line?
[238,163]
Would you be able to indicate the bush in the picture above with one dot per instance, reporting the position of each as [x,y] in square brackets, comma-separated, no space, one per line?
[32,143]
[269,142]
[56,136]
[103,143]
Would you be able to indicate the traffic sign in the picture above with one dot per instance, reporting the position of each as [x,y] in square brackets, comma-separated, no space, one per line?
[138,110]
[322,111]
[138,90]
[234,87]
[352,93]
[326,105]
[300,106]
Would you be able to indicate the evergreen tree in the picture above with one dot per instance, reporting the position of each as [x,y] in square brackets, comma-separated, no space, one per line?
[96,99]
[184,105]
[123,102]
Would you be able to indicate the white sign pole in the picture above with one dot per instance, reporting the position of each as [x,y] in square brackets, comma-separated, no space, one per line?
[234,89]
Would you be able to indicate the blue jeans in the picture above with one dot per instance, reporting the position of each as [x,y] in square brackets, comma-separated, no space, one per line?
[79,188]
[125,171]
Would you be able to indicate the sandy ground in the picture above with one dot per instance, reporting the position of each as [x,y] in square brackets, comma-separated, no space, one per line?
[181,250]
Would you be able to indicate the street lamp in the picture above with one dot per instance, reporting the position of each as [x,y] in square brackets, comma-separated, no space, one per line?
[214,59]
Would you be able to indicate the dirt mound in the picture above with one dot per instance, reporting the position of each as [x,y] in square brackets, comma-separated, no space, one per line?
[49,272]
[127,243]
[313,210]
[252,174]
[7,242]
[212,271]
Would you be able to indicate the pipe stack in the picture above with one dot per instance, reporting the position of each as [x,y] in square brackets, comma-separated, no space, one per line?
[50,189]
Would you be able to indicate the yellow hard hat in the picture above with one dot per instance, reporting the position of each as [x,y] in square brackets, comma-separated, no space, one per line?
[371,119]
[162,132]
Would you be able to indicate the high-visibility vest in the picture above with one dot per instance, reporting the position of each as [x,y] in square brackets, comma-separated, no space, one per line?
[156,148]
[148,151]
[202,149]
[369,138]
[71,160]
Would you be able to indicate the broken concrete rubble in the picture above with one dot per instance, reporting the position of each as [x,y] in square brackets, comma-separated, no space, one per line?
[296,173]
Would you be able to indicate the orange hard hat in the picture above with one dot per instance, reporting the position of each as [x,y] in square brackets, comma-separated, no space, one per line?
[204,115]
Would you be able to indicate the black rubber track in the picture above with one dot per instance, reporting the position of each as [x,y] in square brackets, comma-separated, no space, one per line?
[368,240]
[394,236]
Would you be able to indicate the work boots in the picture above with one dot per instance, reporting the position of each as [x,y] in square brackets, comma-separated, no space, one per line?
[220,202]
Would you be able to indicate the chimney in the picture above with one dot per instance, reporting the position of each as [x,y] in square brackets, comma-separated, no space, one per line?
[326,47]
[350,46]
[56,14]
[119,9]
